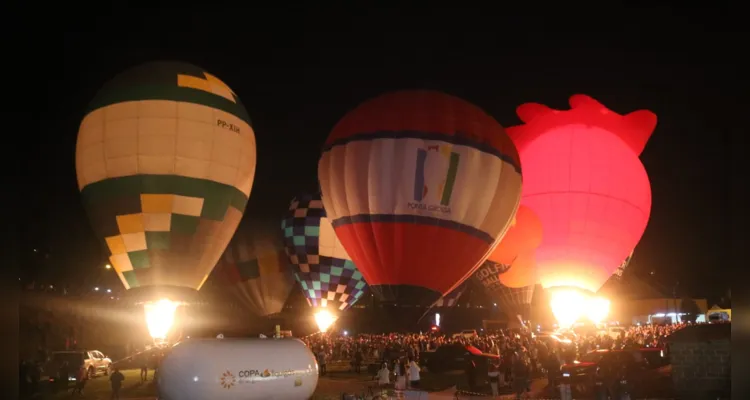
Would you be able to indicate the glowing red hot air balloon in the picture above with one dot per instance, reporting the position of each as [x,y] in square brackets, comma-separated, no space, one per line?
[524,234]
[583,178]
[419,185]
[521,273]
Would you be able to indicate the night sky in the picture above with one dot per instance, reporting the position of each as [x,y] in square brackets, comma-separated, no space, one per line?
[297,83]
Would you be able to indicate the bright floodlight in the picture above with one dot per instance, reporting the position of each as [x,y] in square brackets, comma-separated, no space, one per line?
[324,319]
[597,309]
[567,305]
[160,317]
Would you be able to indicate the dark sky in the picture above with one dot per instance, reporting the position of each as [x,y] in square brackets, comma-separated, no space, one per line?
[296,83]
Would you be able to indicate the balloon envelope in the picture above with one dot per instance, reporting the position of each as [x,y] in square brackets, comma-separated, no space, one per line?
[165,161]
[320,263]
[512,300]
[522,272]
[419,185]
[451,299]
[524,234]
[254,266]
[583,178]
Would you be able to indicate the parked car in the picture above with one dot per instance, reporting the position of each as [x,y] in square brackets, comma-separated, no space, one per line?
[467,333]
[93,361]
[454,357]
[646,371]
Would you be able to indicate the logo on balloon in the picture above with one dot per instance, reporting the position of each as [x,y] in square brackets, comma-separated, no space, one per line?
[432,189]
[488,275]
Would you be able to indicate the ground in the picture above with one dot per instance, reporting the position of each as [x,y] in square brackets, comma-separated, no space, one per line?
[339,380]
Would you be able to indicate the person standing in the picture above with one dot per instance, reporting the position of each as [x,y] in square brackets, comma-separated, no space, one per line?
[63,376]
[413,371]
[321,356]
[358,358]
[401,373]
[81,377]
[384,376]
[493,373]
[520,376]
[143,358]
[115,379]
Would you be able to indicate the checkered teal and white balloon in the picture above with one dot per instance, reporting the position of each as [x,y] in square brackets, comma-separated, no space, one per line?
[321,265]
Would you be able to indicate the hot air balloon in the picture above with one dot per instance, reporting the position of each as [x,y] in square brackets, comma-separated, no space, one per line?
[328,277]
[419,185]
[165,161]
[520,273]
[511,300]
[583,178]
[509,274]
[525,234]
[255,267]
[451,299]
[621,269]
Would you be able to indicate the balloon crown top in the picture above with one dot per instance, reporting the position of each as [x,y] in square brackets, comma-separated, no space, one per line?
[634,128]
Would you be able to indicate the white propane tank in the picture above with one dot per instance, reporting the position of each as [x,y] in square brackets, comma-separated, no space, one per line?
[238,369]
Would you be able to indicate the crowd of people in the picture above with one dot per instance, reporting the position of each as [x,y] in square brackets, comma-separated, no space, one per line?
[523,354]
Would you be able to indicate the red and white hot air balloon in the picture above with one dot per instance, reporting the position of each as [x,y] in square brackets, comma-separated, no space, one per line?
[419,185]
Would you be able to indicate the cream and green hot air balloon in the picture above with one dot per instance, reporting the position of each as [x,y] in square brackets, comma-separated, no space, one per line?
[165,161]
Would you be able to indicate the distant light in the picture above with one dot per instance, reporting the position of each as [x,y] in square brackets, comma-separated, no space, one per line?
[107,266]
[96,288]
[437,319]
[653,272]
[112,297]
[35,251]
[51,287]
[346,333]
[494,304]
[195,379]
[109,290]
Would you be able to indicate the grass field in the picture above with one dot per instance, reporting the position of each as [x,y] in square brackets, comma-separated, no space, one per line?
[99,388]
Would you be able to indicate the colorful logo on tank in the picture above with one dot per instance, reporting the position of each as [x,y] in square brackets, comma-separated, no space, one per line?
[227,380]
[433,193]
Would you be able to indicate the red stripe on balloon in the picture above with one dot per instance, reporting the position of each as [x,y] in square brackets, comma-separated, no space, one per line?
[424,111]
[408,254]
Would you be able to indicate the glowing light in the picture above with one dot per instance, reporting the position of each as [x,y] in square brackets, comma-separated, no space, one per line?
[568,306]
[108,266]
[109,290]
[437,319]
[160,317]
[346,333]
[597,309]
[577,165]
[324,319]
[96,288]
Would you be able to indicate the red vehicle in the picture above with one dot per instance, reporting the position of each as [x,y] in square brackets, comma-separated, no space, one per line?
[454,357]
[646,370]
